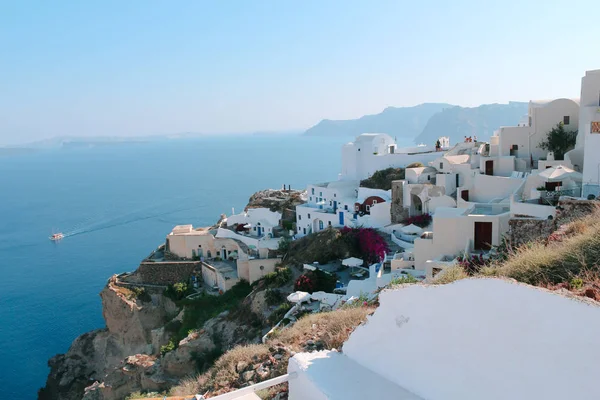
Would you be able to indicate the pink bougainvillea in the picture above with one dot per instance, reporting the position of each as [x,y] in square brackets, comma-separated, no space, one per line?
[304,283]
[369,244]
[419,220]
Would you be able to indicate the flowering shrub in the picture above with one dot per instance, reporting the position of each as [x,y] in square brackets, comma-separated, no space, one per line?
[369,245]
[419,220]
[304,283]
[316,281]
[472,264]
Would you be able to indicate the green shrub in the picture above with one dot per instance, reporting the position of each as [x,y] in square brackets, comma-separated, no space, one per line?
[316,281]
[279,312]
[173,326]
[576,283]
[142,294]
[172,345]
[200,309]
[273,297]
[401,280]
[178,291]
[278,278]
[382,179]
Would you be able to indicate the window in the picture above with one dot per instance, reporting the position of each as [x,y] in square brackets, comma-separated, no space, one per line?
[254,229]
[320,193]
[313,191]
[329,223]
[310,198]
[308,216]
[358,149]
[595,127]
[368,208]
[320,199]
[530,120]
[262,267]
[356,208]
[441,165]
[330,202]
[299,217]
[428,177]
[304,230]
[335,195]
[320,224]
[374,202]
[566,120]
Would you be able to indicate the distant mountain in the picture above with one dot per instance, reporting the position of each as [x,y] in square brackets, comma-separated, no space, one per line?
[458,122]
[404,122]
[426,122]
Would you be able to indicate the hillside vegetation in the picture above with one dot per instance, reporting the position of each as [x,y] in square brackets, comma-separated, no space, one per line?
[383,178]
[568,259]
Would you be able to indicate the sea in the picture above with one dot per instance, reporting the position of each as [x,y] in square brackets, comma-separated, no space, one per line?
[115,204]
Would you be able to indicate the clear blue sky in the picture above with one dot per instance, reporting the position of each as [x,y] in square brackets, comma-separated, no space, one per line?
[128,67]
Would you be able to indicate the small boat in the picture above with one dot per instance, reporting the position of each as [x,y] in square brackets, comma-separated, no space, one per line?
[56,236]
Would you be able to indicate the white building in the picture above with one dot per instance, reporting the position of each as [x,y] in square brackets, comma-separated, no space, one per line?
[371,152]
[224,260]
[342,203]
[257,222]
[459,230]
[588,138]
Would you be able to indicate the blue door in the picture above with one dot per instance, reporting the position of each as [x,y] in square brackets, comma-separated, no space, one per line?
[258,229]
[342,218]
[334,206]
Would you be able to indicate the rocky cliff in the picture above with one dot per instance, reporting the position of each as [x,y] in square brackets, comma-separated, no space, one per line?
[133,327]
[125,357]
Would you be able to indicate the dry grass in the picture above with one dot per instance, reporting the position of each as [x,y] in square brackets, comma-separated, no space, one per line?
[223,373]
[450,275]
[555,262]
[332,328]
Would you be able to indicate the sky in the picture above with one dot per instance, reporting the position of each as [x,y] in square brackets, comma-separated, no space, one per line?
[145,67]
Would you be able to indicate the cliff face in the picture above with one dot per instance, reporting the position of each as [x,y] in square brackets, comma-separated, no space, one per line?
[111,363]
[133,327]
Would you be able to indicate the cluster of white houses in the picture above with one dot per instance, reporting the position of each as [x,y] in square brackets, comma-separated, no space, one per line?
[471,191]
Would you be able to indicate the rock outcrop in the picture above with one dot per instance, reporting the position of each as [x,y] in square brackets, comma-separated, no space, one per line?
[130,329]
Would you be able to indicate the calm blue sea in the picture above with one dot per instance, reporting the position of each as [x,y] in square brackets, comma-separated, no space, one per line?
[117,203]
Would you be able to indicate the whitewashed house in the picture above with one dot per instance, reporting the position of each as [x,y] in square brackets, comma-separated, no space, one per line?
[342,203]
[257,222]
[224,260]
[371,152]
[458,230]
[588,139]
[517,148]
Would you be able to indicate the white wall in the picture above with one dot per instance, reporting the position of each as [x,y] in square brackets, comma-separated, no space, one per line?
[533,210]
[503,166]
[453,231]
[447,181]
[487,188]
[590,112]
[481,339]
[329,375]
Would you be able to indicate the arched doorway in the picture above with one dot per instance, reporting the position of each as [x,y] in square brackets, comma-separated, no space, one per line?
[416,205]
[318,225]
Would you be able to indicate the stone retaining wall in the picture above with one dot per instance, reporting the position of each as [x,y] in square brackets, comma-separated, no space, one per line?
[166,273]
[575,208]
[524,230]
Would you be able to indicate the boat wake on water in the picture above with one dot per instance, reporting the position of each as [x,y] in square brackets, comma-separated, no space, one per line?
[129,218]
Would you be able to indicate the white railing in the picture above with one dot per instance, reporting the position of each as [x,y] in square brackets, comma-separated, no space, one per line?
[253,388]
